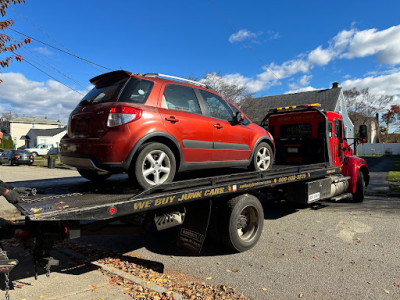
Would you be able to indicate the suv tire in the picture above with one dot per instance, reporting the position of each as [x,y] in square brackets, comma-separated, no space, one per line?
[154,165]
[263,158]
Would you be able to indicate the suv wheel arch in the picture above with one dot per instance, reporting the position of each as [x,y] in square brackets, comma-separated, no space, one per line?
[260,140]
[159,137]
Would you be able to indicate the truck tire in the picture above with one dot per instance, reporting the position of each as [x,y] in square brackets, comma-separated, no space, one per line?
[93,175]
[263,158]
[242,222]
[358,196]
[34,154]
[154,165]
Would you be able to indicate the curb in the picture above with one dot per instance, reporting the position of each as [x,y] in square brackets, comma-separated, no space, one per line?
[117,272]
[148,285]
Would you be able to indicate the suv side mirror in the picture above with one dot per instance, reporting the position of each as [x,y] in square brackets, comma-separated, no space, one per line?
[363,133]
[239,117]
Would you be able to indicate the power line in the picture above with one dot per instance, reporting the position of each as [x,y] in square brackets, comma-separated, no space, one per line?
[29,52]
[52,77]
[243,42]
[76,56]
[46,34]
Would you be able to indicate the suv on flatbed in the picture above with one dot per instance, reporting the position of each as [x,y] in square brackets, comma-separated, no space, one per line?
[151,127]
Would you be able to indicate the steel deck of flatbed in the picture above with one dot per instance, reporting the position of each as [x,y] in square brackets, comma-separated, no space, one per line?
[94,205]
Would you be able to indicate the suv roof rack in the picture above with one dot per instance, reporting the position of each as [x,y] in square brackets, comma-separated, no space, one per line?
[177,78]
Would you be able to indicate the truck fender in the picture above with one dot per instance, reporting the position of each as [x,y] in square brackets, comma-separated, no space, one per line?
[352,165]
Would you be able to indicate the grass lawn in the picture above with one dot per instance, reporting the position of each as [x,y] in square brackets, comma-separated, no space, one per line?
[394,174]
[42,161]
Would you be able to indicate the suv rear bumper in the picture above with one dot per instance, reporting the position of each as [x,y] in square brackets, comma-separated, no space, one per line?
[80,163]
[90,163]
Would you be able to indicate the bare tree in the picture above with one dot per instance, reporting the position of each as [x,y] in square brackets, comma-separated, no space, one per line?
[362,105]
[230,90]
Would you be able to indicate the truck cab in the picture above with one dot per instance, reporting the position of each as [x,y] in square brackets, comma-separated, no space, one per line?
[307,134]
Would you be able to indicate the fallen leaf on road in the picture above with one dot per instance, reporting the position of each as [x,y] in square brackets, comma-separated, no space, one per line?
[315,257]
[209,278]
[228,271]
[94,287]
[387,292]
[264,289]
[235,270]
[301,295]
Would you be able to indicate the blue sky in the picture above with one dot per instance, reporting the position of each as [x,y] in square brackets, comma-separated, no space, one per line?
[307,44]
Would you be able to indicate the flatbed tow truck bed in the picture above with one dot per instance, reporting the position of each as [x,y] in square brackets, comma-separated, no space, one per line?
[96,204]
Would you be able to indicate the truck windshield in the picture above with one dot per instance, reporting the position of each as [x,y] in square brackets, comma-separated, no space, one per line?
[295,131]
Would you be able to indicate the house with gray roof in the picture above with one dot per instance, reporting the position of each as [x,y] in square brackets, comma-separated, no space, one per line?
[330,99]
[44,136]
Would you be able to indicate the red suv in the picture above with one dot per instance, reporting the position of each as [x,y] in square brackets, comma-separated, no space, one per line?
[151,127]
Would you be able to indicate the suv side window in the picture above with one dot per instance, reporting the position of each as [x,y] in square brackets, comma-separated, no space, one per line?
[180,97]
[217,106]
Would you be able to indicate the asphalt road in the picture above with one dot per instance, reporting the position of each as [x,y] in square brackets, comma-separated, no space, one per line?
[333,250]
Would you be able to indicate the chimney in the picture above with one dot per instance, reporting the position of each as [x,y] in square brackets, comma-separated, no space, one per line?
[335,85]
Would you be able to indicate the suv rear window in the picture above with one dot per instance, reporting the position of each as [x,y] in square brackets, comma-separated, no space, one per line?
[134,91]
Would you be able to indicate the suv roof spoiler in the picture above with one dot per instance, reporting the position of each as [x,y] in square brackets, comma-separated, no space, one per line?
[109,77]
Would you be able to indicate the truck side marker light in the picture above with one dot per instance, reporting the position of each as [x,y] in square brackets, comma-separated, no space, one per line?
[309,175]
[112,210]
[274,180]
[36,215]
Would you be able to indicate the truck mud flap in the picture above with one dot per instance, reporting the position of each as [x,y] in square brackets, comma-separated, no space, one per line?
[194,229]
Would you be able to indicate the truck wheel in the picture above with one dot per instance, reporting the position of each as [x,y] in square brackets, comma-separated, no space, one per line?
[263,158]
[154,165]
[34,154]
[358,196]
[93,175]
[242,222]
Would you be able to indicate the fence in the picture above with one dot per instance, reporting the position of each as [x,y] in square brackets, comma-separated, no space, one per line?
[379,149]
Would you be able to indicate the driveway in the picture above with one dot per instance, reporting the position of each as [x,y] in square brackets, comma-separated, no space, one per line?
[331,250]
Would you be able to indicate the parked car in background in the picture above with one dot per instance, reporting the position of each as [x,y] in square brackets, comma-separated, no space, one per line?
[17,157]
[151,127]
[42,149]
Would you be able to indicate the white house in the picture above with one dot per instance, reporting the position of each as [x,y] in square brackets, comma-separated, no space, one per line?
[18,128]
[44,136]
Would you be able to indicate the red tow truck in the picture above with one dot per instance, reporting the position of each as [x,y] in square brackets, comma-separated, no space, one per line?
[313,162]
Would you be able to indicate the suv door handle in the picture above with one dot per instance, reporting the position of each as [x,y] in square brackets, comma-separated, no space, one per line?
[171,119]
[218,126]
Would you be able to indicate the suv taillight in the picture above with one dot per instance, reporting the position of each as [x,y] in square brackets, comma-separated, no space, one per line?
[123,114]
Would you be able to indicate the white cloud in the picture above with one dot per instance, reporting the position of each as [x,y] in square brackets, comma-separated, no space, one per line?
[385,44]
[303,89]
[320,57]
[304,80]
[32,98]
[241,35]
[379,85]
[43,50]
[347,44]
